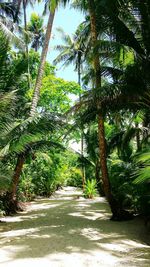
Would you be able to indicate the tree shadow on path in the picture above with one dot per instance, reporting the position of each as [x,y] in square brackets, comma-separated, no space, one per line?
[73,232]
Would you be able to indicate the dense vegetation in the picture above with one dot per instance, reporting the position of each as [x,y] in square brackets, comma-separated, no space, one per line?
[110,120]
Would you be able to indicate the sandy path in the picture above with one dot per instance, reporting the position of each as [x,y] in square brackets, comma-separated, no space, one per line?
[66,231]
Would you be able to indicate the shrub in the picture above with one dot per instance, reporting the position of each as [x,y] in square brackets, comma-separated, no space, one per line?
[90,189]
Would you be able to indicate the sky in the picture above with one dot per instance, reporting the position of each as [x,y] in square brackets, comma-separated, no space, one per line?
[68,19]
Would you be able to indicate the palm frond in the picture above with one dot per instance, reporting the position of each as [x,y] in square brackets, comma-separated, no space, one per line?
[12,37]
[143,175]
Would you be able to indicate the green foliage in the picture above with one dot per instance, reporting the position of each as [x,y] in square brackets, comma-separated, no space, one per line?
[121,183]
[47,172]
[75,177]
[90,189]
[56,94]
[26,189]
[142,173]
[5,178]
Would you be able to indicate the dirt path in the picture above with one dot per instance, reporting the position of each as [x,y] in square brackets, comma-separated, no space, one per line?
[69,231]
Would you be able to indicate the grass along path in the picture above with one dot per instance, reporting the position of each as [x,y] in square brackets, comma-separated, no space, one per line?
[67,230]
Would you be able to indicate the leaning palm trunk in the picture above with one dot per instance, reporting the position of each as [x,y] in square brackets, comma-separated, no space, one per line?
[21,157]
[101,130]
[17,172]
[12,195]
[42,63]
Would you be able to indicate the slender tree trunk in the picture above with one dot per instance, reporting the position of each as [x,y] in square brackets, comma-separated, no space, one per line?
[82,137]
[21,157]
[98,179]
[101,129]
[12,196]
[12,199]
[26,41]
[103,157]
[17,173]
[42,63]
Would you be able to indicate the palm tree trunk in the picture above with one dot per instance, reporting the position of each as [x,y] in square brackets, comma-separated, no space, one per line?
[82,140]
[21,157]
[118,213]
[26,40]
[42,63]
[101,129]
[12,196]
[103,158]
[17,173]
[12,199]
[98,180]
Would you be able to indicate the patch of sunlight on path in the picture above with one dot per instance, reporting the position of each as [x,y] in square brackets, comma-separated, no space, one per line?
[70,231]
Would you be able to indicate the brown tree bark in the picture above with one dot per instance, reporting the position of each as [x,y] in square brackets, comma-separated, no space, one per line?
[117,213]
[101,130]
[42,63]
[82,137]
[21,157]
[26,40]
[12,196]
[17,173]
[98,179]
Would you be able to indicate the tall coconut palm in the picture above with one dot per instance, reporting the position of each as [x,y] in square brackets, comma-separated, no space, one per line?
[22,154]
[24,138]
[101,129]
[91,7]
[52,6]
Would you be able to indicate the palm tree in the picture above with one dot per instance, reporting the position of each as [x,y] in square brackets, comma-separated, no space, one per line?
[23,139]
[8,9]
[8,23]
[101,129]
[72,51]
[35,27]
[53,5]
[115,16]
